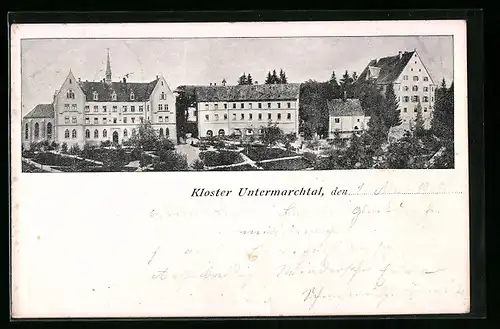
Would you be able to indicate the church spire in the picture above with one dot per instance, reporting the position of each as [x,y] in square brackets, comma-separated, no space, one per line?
[108,69]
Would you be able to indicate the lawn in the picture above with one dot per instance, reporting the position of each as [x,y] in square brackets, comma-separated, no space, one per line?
[259,153]
[51,159]
[220,158]
[30,168]
[290,164]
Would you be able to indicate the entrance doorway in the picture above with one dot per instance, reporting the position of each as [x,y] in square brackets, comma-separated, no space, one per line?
[115,137]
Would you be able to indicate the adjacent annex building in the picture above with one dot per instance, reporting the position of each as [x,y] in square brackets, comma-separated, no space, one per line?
[243,110]
[85,112]
[346,117]
[411,80]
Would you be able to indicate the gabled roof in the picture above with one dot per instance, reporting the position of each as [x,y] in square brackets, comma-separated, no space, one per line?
[390,68]
[348,107]
[142,90]
[41,111]
[286,91]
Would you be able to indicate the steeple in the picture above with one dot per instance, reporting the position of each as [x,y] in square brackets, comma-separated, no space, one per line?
[108,70]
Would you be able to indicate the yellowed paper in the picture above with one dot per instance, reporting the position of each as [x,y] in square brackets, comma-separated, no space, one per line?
[143,244]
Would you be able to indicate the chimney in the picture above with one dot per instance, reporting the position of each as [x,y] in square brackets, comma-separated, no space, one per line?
[124,80]
[157,77]
[210,84]
[215,84]
[400,54]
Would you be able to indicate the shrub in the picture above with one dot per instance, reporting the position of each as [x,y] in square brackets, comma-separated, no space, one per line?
[64,147]
[259,153]
[75,149]
[106,143]
[145,160]
[170,161]
[290,164]
[220,158]
[198,165]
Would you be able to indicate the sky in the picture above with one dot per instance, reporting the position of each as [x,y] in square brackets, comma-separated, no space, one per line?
[46,62]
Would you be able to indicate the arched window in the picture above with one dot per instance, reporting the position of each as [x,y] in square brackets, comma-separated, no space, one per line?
[161,132]
[73,133]
[87,133]
[163,95]
[167,132]
[125,133]
[49,130]
[209,133]
[96,133]
[104,133]
[26,132]
[66,133]
[70,94]
[37,130]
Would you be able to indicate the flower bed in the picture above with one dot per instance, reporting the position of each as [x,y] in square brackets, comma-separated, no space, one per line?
[259,153]
[245,167]
[30,168]
[51,159]
[289,164]
[220,158]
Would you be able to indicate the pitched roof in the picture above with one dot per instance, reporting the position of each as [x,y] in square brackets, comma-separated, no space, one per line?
[390,67]
[142,90]
[286,91]
[341,108]
[41,111]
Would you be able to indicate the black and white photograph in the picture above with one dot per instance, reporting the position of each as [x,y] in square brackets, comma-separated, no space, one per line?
[237,104]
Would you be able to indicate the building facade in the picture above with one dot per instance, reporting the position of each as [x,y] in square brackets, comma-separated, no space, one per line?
[84,112]
[346,117]
[243,110]
[412,84]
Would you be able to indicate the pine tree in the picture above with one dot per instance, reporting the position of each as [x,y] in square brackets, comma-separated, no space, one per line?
[391,112]
[283,78]
[242,79]
[249,79]
[275,77]
[441,117]
[419,121]
[354,77]
[333,80]
[346,84]
[269,79]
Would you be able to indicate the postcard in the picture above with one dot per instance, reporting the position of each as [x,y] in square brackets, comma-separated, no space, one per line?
[239,169]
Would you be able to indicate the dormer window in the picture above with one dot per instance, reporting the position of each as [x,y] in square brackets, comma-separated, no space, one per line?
[373,72]
[132,96]
[113,96]
[95,96]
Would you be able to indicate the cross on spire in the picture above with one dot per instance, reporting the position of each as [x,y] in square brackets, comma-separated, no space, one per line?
[108,69]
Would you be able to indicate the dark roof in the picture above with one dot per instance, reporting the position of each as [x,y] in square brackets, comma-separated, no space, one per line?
[390,67]
[41,111]
[286,91]
[341,108]
[142,90]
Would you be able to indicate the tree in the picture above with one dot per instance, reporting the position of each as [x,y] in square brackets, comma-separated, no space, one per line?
[313,110]
[391,114]
[272,134]
[185,99]
[419,122]
[242,80]
[64,147]
[354,77]
[146,137]
[275,78]
[249,80]
[283,78]
[442,123]
[336,91]
[198,165]
[269,79]
[170,161]
[346,84]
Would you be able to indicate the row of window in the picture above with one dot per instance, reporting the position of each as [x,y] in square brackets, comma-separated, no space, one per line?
[416,77]
[250,105]
[95,95]
[161,107]
[114,120]
[337,120]
[37,131]
[425,109]
[250,116]
[70,107]
[416,99]
[415,88]
[236,131]
[105,133]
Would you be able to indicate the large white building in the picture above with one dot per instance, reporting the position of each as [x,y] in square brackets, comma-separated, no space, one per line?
[243,110]
[411,80]
[91,112]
